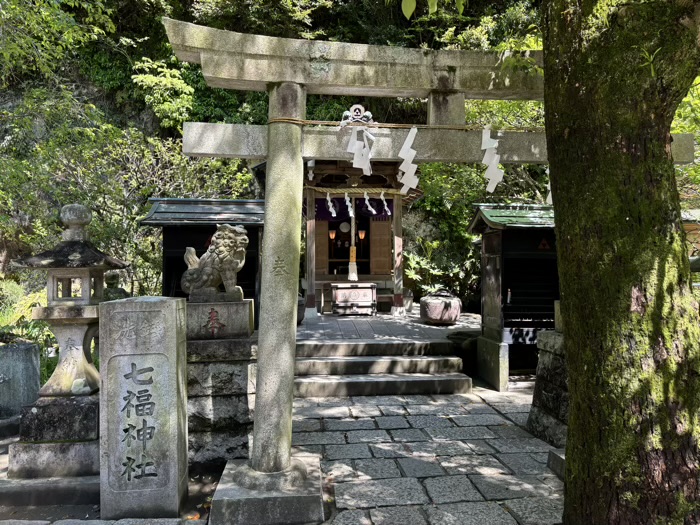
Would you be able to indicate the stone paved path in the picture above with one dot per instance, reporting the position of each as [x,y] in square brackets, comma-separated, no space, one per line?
[438,460]
[381,326]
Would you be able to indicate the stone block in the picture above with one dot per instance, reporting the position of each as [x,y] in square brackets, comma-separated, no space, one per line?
[556,461]
[474,464]
[358,451]
[519,445]
[420,467]
[409,434]
[523,463]
[216,448]
[477,513]
[49,460]
[377,468]
[301,503]
[365,411]
[209,413]
[509,487]
[551,341]
[451,434]
[389,450]
[220,379]
[82,490]
[451,489]
[143,408]
[546,427]
[220,320]
[19,377]
[492,362]
[392,422]
[351,517]
[380,493]
[338,471]
[537,511]
[443,409]
[367,436]
[551,399]
[509,432]
[349,424]
[439,448]
[552,368]
[477,420]
[318,438]
[74,418]
[243,349]
[429,422]
[397,515]
[306,425]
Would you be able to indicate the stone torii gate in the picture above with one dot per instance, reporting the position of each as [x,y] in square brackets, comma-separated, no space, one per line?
[289,70]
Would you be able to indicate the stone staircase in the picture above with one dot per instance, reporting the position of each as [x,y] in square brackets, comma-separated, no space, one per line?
[370,367]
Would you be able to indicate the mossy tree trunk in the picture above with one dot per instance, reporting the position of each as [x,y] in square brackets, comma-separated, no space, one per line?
[614,74]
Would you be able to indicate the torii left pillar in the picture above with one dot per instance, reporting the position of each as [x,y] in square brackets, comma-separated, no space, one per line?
[273,487]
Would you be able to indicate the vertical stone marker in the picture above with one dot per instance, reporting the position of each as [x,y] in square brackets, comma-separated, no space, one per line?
[143,408]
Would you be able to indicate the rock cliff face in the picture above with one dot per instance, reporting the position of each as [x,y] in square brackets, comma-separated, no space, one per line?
[549,414]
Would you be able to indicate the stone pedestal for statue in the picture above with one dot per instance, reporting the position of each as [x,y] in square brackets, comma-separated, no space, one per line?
[221,358]
[59,433]
[143,426]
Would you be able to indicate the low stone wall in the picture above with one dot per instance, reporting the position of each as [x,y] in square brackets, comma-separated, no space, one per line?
[220,399]
[549,414]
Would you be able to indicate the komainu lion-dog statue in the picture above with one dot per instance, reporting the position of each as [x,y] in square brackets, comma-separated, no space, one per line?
[220,264]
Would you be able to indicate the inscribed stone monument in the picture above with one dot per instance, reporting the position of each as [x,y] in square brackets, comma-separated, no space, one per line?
[19,377]
[143,418]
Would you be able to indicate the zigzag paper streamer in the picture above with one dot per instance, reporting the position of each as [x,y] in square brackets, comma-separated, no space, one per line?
[549,188]
[351,212]
[369,206]
[330,204]
[493,173]
[386,206]
[408,179]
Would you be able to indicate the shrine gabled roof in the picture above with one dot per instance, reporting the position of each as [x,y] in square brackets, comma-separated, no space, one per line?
[172,212]
[506,216]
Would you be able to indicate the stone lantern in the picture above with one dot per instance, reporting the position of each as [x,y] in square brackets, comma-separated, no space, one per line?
[75,287]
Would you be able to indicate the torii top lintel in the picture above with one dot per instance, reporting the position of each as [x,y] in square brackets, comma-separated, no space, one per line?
[252,62]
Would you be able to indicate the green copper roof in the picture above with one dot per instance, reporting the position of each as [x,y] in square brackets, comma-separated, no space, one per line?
[172,212]
[504,216]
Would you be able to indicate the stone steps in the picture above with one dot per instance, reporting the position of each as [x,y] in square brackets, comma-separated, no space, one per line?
[350,365]
[380,384]
[373,347]
[370,367]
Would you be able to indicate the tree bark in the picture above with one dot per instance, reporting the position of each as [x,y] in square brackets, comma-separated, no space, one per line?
[614,76]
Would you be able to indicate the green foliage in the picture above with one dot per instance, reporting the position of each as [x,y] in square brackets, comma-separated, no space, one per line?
[58,149]
[687,120]
[36,35]
[165,91]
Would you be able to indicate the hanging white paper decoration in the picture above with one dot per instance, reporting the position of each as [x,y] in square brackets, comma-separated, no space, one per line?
[549,188]
[351,212]
[330,204]
[361,140]
[386,206]
[369,206]
[408,167]
[493,173]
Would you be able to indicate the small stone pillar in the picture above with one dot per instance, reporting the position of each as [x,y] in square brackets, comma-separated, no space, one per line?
[143,408]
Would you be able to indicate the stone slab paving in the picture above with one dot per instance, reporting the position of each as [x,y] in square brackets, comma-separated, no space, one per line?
[432,460]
